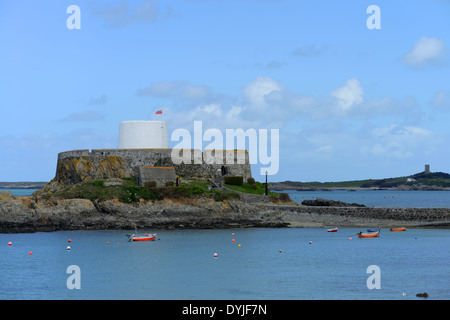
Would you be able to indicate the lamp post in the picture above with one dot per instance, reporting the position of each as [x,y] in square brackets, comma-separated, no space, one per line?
[266,184]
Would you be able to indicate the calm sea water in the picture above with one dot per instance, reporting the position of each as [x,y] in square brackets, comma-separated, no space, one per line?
[180,265]
[379,198]
[20,192]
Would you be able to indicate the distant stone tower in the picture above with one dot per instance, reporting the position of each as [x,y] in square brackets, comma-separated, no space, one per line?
[427,168]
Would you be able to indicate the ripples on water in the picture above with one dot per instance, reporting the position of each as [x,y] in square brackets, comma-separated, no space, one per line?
[181,265]
[379,198]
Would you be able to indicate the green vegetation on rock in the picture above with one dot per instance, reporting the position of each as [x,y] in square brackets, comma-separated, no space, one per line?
[255,188]
[126,190]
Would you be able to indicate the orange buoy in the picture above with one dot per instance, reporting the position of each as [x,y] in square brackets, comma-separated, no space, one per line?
[232,240]
[9,243]
[30,253]
[69,240]
[107,242]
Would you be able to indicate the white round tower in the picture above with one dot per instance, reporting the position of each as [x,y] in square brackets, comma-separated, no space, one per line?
[143,134]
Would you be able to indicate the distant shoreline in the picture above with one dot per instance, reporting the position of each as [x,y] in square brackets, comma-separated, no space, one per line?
[23,185]
[293,188]
[426,181]
[23,188]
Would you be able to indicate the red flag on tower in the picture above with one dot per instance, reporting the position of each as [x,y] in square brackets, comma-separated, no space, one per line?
[158,112]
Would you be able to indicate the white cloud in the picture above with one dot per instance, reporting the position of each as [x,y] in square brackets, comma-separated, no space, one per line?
[441,101]
[103,99]
[159,89]
[398,142]
[267,102]
[257,91]
[84,116]
[310,51]
[324,149]
[350,95]
[212,109]
[425,51]
[175,89]
[117,14]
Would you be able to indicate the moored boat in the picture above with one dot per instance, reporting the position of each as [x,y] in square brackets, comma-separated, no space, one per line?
[373,230]
[368,235]
[398,229]
[332,230]
[141,237]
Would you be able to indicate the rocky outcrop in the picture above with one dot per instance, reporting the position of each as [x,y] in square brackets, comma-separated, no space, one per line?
[422,295]
[319,202]
[32,214]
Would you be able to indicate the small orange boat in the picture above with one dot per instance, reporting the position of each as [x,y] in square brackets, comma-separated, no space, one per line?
[398,229]
[368,235]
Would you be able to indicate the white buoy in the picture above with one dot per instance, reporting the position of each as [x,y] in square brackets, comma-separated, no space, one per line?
[68,248]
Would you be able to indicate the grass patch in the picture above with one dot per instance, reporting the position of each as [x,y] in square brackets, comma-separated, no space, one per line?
[256,188]
[130,192]
[127,192]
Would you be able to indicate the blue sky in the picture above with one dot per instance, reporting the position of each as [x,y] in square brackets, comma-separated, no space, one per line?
[349,102]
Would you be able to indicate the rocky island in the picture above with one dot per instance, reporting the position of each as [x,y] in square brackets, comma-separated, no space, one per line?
[121,204]
[148,187]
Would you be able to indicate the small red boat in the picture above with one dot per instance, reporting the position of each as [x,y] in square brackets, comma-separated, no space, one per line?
[141,237]
[398,229]
[332,230]
[144,237]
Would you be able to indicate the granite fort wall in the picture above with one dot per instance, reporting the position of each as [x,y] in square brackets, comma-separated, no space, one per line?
[83,165]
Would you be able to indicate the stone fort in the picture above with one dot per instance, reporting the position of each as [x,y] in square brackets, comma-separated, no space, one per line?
[143,154]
